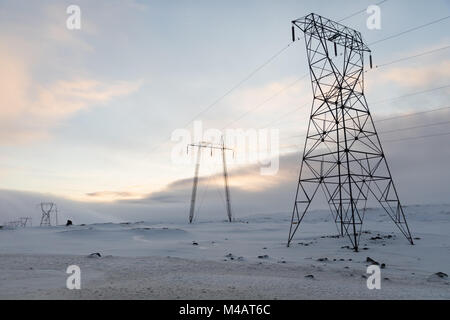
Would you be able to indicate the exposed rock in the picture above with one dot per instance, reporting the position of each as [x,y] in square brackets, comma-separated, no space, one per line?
[95,255]
[438,276]
[309,276]
[371,261]
[263,256]
[69,223]
[441,274]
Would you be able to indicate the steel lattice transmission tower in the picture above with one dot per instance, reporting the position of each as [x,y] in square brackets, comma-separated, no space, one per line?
[343,155]
[47,209]
[211,146]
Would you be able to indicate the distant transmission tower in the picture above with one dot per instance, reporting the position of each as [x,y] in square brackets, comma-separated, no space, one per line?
[26,221]
[210,146]
[47,209]
[342,154]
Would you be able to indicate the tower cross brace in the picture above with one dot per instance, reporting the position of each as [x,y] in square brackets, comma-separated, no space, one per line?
[342,155]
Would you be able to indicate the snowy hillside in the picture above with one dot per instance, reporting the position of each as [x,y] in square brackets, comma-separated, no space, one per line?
[215,259]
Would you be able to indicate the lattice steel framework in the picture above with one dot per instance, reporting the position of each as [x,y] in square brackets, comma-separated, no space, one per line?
[343,155]
[47,209]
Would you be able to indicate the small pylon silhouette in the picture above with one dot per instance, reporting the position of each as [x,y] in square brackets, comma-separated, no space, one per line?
[47,209]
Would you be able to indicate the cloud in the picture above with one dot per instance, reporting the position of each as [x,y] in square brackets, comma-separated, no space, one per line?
[251,192]
[113,195]
[425,158]
[419,76]
[30,110]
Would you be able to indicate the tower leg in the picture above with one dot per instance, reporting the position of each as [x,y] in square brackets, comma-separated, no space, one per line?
[194,186]
[225,178]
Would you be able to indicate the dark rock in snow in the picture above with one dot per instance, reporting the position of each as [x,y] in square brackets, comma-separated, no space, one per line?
[69,223]
[371,261]
[194,243]
[322,259]
[438,276]
[309,276]
[383,265]
[441,274]
[95,255]
[263,256]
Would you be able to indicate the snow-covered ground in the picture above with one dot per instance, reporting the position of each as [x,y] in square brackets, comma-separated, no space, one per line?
[247,259]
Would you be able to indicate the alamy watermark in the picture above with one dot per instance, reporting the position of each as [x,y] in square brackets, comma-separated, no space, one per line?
[250,146]
[373,22]
[73,281]
[374,280]
[73,22]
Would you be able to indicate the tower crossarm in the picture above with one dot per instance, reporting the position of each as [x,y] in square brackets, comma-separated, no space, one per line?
[323,28]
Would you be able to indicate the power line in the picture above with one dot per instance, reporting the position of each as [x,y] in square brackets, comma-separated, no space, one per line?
[360,11]
[403,116]
[410,94]
[240,83]
[396,140]
[409,30]
[249,76]
[417,127]
[410,57]
[227,93]
[419,137]
[377,102]
[285,88]
[243,115]
[283,116]
[411,114]
[287,46]
[380,101]
[378,66]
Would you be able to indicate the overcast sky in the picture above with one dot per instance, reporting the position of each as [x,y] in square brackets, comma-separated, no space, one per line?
[87,115]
